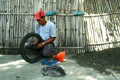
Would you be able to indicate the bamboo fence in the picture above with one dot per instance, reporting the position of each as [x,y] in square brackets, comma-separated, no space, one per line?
[97,30]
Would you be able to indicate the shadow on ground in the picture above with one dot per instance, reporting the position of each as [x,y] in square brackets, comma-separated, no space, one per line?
[106,61]
[9,58]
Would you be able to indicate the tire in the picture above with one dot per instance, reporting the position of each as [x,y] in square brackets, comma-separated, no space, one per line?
[30,55]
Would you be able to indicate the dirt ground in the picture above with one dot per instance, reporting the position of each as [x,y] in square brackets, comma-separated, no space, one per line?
[102,61]
[103,65]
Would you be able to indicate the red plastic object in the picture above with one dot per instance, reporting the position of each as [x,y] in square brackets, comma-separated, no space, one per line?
[60,56]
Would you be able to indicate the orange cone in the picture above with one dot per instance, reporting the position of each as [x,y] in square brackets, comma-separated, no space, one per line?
[60,56]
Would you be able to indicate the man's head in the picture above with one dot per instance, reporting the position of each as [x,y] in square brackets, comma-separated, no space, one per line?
[40,17]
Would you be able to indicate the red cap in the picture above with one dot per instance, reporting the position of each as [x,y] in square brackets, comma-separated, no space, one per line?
[39,14]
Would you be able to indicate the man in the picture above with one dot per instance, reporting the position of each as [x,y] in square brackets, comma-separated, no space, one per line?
[47,30]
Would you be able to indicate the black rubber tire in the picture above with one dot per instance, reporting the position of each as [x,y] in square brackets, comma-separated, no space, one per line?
[25,53]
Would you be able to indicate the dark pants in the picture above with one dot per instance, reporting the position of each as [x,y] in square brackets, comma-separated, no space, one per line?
[48,50]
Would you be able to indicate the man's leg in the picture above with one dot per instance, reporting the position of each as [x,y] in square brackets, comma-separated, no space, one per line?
[48,50]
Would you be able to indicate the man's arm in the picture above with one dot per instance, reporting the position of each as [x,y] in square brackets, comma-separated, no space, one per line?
[50,40]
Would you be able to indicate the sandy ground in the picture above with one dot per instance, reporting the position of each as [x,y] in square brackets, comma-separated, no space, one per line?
[89,66]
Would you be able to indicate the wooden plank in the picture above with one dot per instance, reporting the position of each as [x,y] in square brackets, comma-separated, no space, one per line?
[7,31]
[73,34]
[0,24]
[0,30]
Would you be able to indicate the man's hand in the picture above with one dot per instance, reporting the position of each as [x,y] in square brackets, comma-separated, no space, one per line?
[40,45]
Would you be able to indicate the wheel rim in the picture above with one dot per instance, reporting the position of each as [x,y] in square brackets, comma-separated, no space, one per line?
[31,54]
